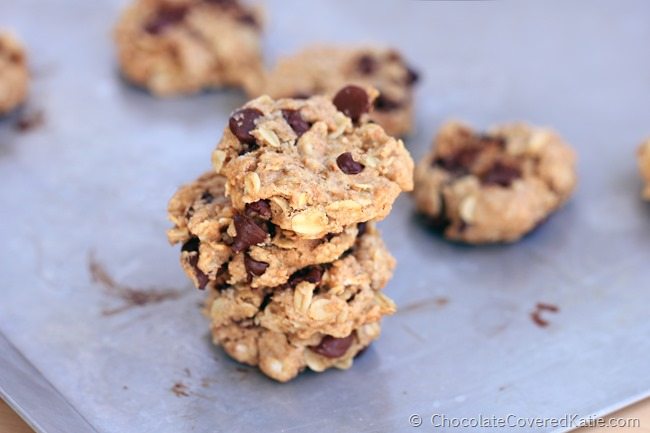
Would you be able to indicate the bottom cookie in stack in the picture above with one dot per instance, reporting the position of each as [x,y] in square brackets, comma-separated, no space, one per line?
[282,304]
[321,318]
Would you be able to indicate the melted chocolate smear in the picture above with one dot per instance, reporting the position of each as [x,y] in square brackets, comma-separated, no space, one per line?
[540,308]
[130,297]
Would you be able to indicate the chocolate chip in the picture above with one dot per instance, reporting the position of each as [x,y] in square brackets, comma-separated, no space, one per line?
[191,245]
[332,347]
[254,267]
[248,19]
[265,301]
[201,278]
[361,229]
[412,77]
[348,165]
[352,101]
[501,174]
[311,274]
[295,120]
[366,64]
[491,140]
[259,209]
[166,17]
[207,197]
[384,103]
[242,122]
[248,233]
[458,163]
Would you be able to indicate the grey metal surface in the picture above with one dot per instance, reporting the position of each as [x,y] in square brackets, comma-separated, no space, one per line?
[90,188]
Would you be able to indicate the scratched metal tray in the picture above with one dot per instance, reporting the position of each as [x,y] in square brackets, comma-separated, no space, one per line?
[100,331]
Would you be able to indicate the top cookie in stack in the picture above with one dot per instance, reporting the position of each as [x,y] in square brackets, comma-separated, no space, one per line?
[319,163]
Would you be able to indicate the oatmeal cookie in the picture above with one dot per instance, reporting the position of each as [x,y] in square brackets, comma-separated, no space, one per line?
[326,69]
[241,247]
[319,163]
[282,357]
[176,47]
[14,76]
[321,318]
[494,187]
[643,155]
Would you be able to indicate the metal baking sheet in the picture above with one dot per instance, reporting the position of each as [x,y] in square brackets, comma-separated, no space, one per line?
[83,200]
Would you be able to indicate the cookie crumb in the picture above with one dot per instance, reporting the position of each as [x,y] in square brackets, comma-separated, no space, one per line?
[180,390]
[536,315]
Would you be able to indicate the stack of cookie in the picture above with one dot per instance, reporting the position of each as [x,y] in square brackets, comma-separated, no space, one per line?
[282,232]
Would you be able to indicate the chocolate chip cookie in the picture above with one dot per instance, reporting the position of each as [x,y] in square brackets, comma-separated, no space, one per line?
[14,76]
[173,47]
[494,187]
[225,245]
[323,70]
[643,156]
[320,164]
[322,317]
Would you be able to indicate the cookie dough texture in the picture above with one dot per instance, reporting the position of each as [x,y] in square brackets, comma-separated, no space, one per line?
[173,47]
[285,329]
[326,69]
[643,156]
[203,214]
[320,169]
[14,76]
[494,187]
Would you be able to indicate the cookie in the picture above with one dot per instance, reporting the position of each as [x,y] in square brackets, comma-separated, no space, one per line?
[643,156]
[318,162]
[326,69]
[322,318]
[494,187]
[215,240]
[173,47]
[14,76]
